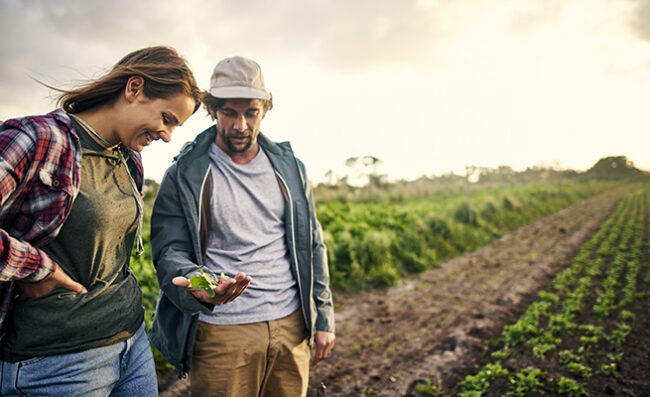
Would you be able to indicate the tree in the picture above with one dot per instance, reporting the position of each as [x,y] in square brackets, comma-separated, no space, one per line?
[366,166]
[614,167]
[330,177]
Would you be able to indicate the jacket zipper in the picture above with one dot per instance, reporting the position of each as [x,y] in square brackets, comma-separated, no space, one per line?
[293,250]
[183,373]
[205,178]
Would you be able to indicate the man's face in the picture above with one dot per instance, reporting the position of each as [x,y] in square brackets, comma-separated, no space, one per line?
[238,125]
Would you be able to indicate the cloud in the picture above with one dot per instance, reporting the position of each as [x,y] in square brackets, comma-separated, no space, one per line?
[337,35]
[345,37]
[640,21]
[57,41]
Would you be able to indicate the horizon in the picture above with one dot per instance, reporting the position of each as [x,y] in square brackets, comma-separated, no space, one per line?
[360,179]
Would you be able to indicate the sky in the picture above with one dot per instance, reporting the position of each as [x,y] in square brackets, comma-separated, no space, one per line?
[426,86]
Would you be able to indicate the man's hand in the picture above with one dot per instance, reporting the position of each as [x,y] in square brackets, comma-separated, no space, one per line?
[224,293]
[57,279]
[324,344]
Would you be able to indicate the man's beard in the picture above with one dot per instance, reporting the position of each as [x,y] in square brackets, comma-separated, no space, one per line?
[230,145]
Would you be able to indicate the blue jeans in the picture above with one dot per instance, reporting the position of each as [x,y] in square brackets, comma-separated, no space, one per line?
[122,369]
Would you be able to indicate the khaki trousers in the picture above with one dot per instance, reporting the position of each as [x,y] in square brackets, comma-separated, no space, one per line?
[265,359]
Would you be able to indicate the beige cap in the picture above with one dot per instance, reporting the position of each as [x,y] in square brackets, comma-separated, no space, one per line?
[238,77]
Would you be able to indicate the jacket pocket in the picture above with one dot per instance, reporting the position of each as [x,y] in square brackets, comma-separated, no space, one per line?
[50,200]
[55,182]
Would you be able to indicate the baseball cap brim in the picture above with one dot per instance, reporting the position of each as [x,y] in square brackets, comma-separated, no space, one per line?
[239,92]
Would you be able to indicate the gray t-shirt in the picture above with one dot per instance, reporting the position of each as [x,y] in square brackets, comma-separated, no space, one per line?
[248,235]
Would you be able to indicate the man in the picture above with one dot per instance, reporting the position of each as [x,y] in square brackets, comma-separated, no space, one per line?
[234,202]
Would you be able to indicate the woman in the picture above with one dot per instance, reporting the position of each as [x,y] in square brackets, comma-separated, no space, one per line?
[70,212]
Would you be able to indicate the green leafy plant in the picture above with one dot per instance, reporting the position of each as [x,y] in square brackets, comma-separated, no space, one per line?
[579,369]
[620,333]
[207,283]
[478,383]
[567,356]
[610,367]
[428,389]
[527,381]
[570,387]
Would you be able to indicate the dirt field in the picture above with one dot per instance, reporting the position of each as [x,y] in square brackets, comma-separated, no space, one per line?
[432,327]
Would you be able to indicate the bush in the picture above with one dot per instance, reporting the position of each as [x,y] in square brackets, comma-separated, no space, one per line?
[463,214]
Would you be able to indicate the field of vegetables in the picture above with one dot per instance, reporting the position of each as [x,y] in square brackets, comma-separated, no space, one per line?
[572,340]
[378,244]
[424,336]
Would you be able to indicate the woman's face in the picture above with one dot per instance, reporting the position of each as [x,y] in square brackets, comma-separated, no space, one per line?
[145,120]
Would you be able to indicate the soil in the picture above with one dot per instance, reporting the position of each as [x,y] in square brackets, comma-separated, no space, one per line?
[432,328]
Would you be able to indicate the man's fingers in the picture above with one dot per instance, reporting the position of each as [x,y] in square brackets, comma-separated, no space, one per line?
[181,282]
[314,360]
[228,285]
[236,288]
[328,350]
[239,289]
[321,354]
[230,293]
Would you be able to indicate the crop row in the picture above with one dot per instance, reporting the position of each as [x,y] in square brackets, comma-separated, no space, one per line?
[376,244]
[576,329]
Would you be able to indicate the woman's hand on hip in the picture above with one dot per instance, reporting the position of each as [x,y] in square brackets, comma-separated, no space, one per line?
[57,279]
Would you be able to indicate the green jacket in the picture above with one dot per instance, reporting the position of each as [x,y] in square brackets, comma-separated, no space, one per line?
[179,233]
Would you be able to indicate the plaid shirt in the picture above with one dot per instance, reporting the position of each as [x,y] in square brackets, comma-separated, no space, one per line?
[40,170]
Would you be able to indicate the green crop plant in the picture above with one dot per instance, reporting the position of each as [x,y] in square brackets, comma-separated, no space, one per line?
[579,369]
[481,381]
[428,389]
[501,354]
[527,326]
[619,334]
[626,315]
[567,356]
[540,349]
[591,329]
[543,344]
[528,381]
[610,366]
[570,387]
[560,323]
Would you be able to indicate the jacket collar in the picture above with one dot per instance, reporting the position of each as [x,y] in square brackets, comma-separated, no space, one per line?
[63,118]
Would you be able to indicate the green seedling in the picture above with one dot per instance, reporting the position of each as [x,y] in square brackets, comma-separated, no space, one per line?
[207,283]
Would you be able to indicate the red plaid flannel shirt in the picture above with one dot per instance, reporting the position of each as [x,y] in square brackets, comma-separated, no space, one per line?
[40,166]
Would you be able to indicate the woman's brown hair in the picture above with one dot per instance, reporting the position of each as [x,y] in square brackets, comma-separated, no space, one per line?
[164,71]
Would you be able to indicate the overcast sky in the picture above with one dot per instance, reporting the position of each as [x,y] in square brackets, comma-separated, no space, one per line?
[427,86]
